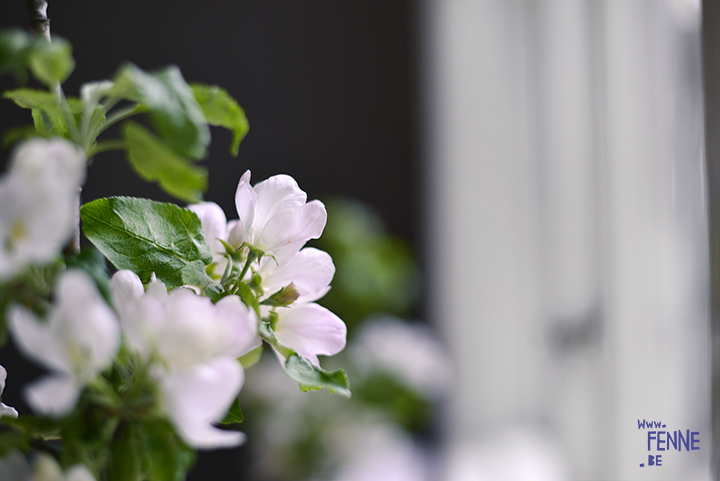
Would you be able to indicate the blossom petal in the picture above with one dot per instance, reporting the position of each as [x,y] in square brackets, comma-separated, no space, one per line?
[276,194]
[311,330]
[198,396]
[36,340]
[214,224]
[245,198]
[310,269]
[53,395]
[241,323]
[288,230]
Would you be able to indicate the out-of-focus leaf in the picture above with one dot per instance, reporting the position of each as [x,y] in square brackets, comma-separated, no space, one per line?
[173,110]
[125,464]
[154,161]
[14,52]
[147,236]
[222,110]
[51,63]
[45,108]
[163,456]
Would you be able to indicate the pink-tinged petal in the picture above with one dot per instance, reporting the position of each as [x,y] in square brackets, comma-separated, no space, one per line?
[37,341]
[242,326]
[196,397]
[310,269]
[245,199]
[53,395]
[276,194]
[291,229]
[311,330]
[214,224]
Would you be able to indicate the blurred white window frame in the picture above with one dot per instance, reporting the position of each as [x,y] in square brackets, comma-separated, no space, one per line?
[568,234]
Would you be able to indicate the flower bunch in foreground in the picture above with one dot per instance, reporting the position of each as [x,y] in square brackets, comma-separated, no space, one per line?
[144,367]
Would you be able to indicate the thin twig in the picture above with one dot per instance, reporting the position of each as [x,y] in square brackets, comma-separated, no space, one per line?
[39,22]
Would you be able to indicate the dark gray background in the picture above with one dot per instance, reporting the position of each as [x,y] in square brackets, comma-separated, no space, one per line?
[328,87]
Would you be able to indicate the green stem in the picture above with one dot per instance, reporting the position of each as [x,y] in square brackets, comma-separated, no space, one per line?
[106,145]
[120,115]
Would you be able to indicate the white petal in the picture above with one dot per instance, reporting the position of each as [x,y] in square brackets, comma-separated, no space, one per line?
[54,163]
[85,323]
[79,473]
[36,340]
[6,410]
[214,224]
[53,395]
[245,198]
[276,194]
[310,269]
[289,230]
[201,395]
[236,234]
[311,330]
[242,326]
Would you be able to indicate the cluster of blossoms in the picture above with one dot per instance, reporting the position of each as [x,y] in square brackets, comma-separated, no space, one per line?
[188,345]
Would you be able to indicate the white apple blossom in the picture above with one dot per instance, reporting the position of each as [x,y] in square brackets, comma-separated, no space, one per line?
[5,410]
[78,340]
[38,203]
[196,344]
[274,217]
[311,330]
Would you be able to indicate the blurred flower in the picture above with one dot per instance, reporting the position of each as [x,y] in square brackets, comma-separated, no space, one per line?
[38,202]
[47,469]
[5,410]
[79,339]
[409,352]
[14,466]
[196,344]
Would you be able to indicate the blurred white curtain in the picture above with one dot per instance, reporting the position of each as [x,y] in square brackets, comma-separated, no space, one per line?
[567,236]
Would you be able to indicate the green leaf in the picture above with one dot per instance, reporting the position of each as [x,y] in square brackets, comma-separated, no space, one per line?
[14,52]
[311,377]
[154,161]
[51,63]
[147,236]
[234,414]
[125,464]
[251,357]
[174,112]
[45,107]
[163,456]
[222,110]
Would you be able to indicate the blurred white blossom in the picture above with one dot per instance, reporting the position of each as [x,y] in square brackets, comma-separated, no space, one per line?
[46,468]
[196,344]
[5,410]
[78,340]
[38,202]
[410,352]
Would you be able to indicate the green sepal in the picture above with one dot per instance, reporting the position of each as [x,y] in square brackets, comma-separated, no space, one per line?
[222,110]
[234,414]
[252,357]
[283,298]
